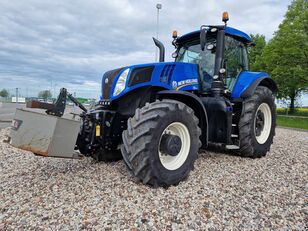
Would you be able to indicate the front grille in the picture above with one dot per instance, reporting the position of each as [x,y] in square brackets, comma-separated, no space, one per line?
[140,75]
[107,86]
[167,73]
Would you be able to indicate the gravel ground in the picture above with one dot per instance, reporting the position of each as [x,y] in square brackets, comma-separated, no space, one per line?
[223,192]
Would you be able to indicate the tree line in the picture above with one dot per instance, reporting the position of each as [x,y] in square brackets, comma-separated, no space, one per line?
[285,56]
[45,94]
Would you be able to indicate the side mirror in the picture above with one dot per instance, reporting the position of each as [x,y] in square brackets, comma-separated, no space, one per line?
[203,33]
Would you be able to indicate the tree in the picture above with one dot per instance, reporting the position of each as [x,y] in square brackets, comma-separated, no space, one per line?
[255,53]
[286,55]
[4,93]
[46,94]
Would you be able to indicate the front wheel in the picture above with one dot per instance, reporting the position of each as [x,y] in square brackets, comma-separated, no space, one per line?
[161,142]
[257,123]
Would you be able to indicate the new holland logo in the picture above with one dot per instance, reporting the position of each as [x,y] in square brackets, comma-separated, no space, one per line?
[184,83]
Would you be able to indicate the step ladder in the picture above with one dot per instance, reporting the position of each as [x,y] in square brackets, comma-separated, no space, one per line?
[234,133]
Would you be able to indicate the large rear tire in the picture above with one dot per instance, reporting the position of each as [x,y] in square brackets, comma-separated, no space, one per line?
[257,123]
[161,142]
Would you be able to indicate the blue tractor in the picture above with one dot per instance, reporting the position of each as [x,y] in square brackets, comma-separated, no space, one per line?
[158,115]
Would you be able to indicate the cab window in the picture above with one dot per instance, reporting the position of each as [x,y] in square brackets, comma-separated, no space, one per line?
[191,53]
[235,60]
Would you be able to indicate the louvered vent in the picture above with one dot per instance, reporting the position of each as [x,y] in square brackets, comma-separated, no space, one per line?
[167,73]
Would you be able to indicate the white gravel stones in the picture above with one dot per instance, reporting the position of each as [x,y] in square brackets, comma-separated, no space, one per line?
[223,192]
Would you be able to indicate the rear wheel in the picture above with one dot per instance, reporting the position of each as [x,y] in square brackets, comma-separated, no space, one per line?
[257,123]
[161,142]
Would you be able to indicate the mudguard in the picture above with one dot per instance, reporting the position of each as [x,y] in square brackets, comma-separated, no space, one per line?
[247,83]
[264,81]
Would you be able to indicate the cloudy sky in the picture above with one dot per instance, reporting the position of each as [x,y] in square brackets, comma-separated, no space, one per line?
[53,44]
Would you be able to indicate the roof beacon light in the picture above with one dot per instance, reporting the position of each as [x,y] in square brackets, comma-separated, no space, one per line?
[225,17]
[174,34]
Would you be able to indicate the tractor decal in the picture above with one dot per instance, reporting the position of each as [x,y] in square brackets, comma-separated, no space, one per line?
[187,82]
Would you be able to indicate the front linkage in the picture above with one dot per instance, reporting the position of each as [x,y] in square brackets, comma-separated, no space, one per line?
[100,132]
[98,136]
[57,108]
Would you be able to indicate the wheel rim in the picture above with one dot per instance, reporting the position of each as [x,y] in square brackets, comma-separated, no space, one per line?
[174,162]
[263,123]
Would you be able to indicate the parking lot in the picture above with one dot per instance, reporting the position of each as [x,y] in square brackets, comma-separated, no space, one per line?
[7,111]
[224,192]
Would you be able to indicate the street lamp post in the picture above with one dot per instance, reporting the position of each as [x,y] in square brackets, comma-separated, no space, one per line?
[158,7]
[16,96]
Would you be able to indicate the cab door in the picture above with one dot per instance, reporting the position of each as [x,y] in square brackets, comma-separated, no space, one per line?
[235,61]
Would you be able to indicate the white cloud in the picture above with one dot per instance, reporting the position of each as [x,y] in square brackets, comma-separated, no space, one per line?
[49,44]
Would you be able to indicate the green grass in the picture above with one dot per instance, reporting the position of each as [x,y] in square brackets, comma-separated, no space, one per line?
[292,122]
[298,112]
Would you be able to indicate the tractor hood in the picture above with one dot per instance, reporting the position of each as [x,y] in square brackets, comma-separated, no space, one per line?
[166,75]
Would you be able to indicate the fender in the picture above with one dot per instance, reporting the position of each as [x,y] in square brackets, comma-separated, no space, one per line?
[192,101]
[248,81]
[263,81]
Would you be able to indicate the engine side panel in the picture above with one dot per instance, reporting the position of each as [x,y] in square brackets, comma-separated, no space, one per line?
[167,75]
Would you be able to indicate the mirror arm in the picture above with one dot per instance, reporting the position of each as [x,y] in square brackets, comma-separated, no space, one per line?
[203,33]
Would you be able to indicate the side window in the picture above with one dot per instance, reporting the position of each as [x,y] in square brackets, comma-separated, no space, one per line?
[245,59]
[235,60]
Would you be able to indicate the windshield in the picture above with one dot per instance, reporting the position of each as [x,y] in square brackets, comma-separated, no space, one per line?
[191,52]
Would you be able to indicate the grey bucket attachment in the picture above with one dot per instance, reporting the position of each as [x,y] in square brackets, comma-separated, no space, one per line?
[44,134]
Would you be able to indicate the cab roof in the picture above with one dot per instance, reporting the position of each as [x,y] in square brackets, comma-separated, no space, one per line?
[228,30]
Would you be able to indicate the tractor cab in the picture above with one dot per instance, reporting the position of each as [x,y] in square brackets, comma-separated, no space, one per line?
[233,54]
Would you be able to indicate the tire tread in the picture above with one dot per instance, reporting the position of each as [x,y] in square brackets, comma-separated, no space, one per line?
[247,117]
[138,137]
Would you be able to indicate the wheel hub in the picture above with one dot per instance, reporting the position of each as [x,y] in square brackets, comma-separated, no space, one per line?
[262,123]
[259,122]
[170,144]
[174,146]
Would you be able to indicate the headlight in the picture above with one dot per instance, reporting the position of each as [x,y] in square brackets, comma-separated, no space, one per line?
[121,83]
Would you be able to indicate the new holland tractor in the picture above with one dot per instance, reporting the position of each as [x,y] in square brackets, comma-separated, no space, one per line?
[158,115]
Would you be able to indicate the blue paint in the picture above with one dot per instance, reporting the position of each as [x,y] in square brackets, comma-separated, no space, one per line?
[185,76]
[183,73]
[235,32]
[228,30]
[244,80]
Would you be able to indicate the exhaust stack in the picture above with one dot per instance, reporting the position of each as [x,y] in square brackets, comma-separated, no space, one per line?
[161,50]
